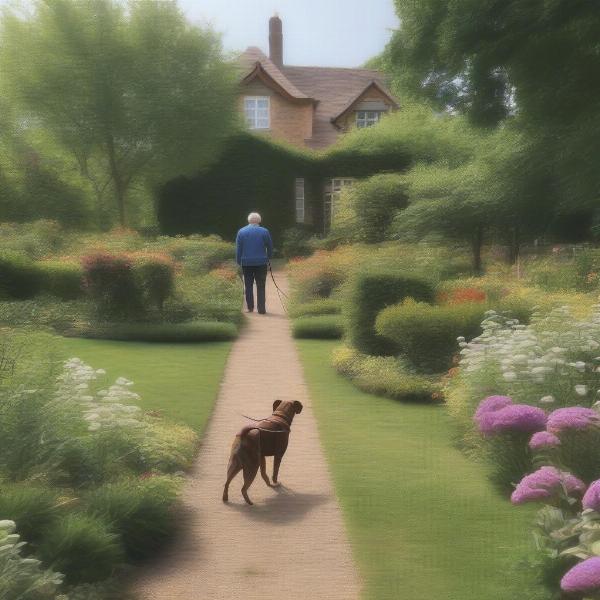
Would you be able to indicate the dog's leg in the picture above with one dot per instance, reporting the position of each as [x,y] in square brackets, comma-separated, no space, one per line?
[276,463]
[233,469]
[250,472]
[263,470]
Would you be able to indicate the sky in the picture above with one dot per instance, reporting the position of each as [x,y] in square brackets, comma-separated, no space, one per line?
[328,33]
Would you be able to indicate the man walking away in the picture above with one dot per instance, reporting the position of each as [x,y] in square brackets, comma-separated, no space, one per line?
[254,248]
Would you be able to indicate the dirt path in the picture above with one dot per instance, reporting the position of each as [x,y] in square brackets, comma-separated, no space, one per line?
[291,544]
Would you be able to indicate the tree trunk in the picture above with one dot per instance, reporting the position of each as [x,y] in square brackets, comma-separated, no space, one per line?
[515,246]
[476,244]
[120,188]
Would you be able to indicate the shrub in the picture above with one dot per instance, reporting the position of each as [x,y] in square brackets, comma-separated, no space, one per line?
[319,327]
[384,376]
[427,334]
[322,273]
[61,278]
[155,276]
[110,282]
[370,292]
[33,240]
[190,332]
[82,547]
[139,511]
[22,578]
[320,306]
[297,241]
[19,277]
[32,508]
[168,448]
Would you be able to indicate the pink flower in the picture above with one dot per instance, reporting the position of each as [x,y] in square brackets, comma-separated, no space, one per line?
[543,439]
[515,417]
[591,499]
[573,417]
[583,578]
[545,484]
[484,416]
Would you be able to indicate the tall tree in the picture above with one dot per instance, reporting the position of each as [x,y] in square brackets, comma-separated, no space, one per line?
[536,59]
[132,91]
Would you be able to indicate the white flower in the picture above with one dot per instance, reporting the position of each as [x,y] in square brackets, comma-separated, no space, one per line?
[460,339]
[581,390]
[547,400]
[100,372]
[510,376]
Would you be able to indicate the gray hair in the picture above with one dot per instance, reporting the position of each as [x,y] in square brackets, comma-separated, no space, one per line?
[254,217]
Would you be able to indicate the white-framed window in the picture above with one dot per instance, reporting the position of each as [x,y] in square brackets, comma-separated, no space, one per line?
[300,200]
[333,190]
[366,118]
[257,111]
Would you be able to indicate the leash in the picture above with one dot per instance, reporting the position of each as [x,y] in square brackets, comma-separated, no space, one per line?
[262,429]
[280,292]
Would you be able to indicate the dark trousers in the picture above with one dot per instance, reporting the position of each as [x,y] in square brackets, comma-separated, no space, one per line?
[258,274]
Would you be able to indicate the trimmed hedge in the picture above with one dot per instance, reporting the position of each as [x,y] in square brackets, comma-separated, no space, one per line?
[427,334]
[367,295]
[61,279]
[385,376]
[322,327]
[321,306]
[191,332]
[19,277]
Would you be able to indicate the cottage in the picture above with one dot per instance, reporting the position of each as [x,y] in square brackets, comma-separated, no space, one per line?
[308,107]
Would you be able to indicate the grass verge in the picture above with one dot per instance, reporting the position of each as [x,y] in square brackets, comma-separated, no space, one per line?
[179,381]
[423,520]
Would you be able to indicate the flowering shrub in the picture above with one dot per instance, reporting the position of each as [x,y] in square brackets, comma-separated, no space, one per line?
[110,283]
[21,577]
[155,276]
[462,295]
[542,440]
[546,484]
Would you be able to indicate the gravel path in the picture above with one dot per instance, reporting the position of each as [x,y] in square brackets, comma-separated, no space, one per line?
[291,544]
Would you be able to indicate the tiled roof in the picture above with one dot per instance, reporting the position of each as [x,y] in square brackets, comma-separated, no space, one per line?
[253,55]
[334,89]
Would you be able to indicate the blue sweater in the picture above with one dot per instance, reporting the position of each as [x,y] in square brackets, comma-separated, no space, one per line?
[254,246]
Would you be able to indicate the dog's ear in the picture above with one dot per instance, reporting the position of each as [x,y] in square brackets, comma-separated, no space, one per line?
[297,407]
[276,404]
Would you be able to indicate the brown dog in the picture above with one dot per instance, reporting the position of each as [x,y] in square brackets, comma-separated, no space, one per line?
[268,437]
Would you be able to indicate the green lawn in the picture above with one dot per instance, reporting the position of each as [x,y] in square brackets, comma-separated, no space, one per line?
[423,520]
[179,380]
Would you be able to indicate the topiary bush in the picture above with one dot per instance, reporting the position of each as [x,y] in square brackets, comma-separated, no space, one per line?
[62,279]
[83,547]
[427,333]
[297,241]
[139,512]
[19,277]
[110,282]
[370,292]
[323,327]
[155,276]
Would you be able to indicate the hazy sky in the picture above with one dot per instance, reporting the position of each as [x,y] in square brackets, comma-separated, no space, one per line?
[328,33]
[342,33]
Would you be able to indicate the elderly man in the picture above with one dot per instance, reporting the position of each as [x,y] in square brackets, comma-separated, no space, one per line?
[254,248]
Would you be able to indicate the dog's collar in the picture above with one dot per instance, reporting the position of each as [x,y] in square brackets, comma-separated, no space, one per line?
[281,418]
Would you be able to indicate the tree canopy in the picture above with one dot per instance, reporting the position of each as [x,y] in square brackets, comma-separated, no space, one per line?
[131,91]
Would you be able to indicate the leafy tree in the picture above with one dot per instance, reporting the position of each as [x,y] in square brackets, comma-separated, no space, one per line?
[451,202]
[492,59]
[131,91]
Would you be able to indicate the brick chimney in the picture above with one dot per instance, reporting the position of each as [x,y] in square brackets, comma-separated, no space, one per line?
[276,40]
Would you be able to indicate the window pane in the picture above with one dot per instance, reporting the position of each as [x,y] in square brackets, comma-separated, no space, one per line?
[263,123]
[249,103]
[262,103]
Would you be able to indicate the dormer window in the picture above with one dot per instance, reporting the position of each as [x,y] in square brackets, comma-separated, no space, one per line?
[257,112]
[366,118]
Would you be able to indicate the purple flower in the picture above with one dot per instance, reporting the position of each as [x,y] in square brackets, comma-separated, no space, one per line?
[517,417]
[591,499]
[543,439]
[544,484]
[574,417]
[583,578]
[484,416]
